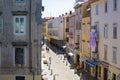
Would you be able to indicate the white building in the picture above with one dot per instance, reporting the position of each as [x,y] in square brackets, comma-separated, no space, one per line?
[56,31]
[105,17]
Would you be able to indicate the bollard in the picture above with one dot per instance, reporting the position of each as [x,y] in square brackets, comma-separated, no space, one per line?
[53,77]
[80,76]
[51,72]
[66,63]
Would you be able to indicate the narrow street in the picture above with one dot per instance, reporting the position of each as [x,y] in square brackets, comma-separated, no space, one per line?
[59,69]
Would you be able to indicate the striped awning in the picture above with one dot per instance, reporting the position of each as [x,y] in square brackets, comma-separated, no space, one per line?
[83,58]
[92,63]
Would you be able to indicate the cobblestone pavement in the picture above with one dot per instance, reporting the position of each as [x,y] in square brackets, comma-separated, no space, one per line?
[59,69]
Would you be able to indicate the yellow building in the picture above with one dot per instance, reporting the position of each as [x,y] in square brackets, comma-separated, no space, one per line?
[45,29]
[85,34]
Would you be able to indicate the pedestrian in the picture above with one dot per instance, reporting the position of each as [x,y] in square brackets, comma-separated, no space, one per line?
[50,60]
[47,49]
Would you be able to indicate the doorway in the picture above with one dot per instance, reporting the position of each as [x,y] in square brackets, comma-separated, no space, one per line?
[105,73]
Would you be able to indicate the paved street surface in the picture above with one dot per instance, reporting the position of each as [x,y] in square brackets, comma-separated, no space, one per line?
[59,68]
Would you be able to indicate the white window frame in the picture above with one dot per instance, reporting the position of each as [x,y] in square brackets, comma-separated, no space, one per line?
[106,31]
[14,55]
[19,28]
[1,25]
[19,75]
[114,61]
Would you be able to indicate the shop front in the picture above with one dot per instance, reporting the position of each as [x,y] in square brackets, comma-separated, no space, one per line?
[92,67]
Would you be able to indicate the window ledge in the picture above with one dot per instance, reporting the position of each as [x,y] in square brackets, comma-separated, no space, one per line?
[19,12]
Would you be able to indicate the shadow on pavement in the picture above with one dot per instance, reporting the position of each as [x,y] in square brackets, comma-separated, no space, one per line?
[55,49]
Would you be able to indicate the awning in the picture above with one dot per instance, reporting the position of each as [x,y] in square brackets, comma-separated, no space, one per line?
[64,46]
[92,63]
[89,64]
[83,58]
[72,53]
[19,43]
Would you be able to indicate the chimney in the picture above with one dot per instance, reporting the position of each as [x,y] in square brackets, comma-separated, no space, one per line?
[66,13]
[70,12]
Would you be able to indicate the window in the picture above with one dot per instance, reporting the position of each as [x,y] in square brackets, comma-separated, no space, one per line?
[97,27]
[88,28]
[97,9]
[114,55]
[88,47]
[106,6]
[106,31]
[83,30]
[83,47]
[80,11]
[20,55]
[1,25]
[19,25]
[19,0]
[115,30]
[19,77]
[78,25]
[114,4]
[105,52]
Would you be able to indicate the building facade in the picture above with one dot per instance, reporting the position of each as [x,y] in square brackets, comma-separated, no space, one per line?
[56,32]
[45,29]
[78,21]
[20,23]
[104,16]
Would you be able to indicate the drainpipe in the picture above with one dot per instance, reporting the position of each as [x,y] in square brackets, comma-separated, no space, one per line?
[30,51]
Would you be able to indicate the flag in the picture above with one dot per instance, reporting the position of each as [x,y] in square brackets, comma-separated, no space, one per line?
[92,39]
